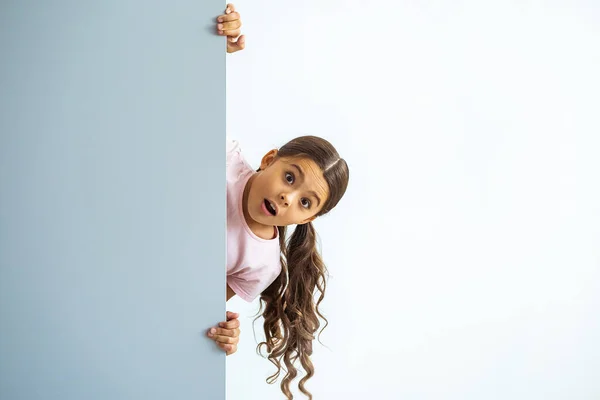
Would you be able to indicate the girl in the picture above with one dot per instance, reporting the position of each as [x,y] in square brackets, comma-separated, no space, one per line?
[302,180]
[294,185]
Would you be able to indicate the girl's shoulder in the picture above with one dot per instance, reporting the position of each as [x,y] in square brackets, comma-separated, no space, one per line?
[232,146]
[233,153]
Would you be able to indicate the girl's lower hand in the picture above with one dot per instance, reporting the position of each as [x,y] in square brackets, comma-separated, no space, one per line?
[227,334]
[229,25]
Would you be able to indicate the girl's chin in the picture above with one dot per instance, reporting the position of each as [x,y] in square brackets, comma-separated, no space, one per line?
[263,219]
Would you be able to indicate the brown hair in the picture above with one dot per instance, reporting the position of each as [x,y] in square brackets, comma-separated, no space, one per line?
[291,316]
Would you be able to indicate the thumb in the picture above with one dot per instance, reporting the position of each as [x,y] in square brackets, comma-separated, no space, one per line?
[242,41]
[232,46]
[232,315]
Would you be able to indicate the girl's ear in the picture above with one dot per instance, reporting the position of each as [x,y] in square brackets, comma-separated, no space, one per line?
[268,159]
[307,220]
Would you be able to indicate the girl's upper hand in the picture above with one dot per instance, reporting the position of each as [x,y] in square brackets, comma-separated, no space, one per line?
[227,335]
[229,25]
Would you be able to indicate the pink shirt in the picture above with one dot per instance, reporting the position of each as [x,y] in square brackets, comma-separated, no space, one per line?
[252,262]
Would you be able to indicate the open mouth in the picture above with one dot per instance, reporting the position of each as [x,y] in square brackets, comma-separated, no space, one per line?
[270,208]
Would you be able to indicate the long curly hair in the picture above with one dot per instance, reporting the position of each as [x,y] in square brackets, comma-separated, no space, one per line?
[291,315]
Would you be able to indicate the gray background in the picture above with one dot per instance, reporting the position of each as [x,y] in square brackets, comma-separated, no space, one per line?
[112,200]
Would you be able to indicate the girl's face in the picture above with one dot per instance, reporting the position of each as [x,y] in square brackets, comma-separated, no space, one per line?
[286,191]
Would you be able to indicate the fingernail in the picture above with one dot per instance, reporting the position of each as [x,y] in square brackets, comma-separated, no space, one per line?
[220,32]
[220,19]
[222,324]
[220,26]
[213,330]
[227,11]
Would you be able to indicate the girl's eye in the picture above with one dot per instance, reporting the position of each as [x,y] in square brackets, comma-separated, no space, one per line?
[290,175]
[307,204]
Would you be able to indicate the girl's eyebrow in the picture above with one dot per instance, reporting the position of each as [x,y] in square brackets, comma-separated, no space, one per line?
[301,173]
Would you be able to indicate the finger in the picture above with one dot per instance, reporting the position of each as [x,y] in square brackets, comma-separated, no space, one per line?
[232,349]
[229,9]
[233,34]
[225,346]
[228,17]
[229,26]
[229,348]
[229,33]
[226,339]
[234,323]
[223,332]
[215,333]
[232,315]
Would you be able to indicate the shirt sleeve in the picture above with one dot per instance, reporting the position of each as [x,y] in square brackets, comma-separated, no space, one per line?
[250,283]
[232,147]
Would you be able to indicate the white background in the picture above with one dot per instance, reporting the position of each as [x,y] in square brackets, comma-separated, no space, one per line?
[465,256]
